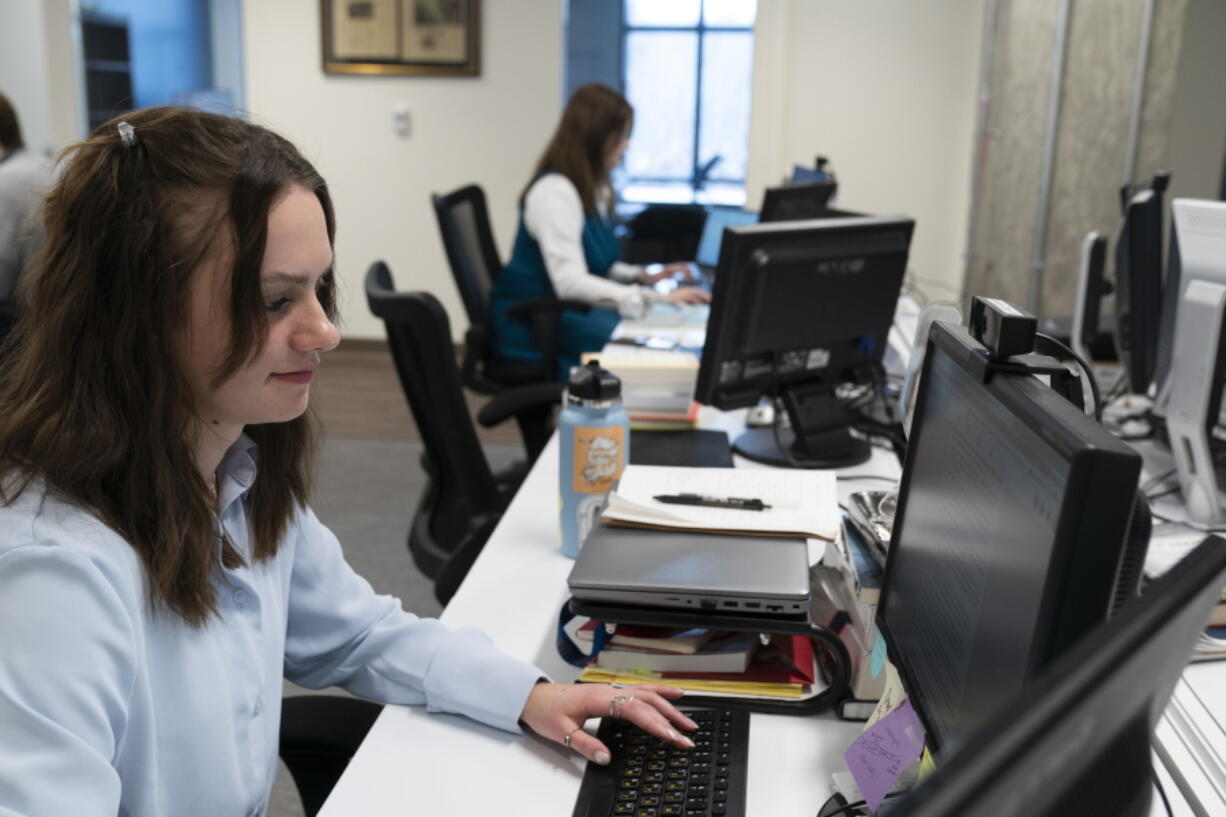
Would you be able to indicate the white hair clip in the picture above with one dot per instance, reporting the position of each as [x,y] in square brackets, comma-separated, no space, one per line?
[127,134]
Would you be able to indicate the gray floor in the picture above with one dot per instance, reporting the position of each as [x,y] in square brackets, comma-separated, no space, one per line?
[366,492]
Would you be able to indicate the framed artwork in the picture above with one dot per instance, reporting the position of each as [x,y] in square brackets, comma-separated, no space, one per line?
[440,37]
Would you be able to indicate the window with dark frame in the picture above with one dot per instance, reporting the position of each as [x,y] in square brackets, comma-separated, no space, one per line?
[687,70]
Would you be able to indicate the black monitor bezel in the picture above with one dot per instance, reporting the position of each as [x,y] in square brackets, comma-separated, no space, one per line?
[1100,517]
[1138,288]
[737,248]
[819,192]
[1111,689]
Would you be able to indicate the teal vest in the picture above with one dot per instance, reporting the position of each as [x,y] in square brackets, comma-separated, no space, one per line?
[524,277]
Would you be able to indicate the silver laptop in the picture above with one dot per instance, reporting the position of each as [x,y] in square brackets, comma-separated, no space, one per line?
[755,575]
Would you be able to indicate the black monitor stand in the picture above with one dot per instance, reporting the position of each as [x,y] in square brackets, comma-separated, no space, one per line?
[819,435]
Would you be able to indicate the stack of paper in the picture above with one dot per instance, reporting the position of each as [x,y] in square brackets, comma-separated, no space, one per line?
[802,503]
[657,386]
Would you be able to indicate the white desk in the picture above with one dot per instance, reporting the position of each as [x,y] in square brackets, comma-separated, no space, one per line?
[415,762]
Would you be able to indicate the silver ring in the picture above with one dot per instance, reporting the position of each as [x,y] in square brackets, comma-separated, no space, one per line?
[617,702]
[566,739]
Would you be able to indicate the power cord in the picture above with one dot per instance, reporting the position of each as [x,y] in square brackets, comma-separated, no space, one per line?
[1162,793]
[1085,367]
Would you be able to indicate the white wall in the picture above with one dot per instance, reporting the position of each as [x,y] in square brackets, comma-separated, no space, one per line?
[1198,115]
[38,70]
[487,129]
[886,89]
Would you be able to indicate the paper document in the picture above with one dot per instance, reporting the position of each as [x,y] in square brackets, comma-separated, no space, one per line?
[802,503]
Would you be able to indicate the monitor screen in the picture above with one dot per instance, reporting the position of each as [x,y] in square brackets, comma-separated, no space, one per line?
[798,201]
[797,309]
[1008,538]
[1138,288]
[1078,742]
[713,232]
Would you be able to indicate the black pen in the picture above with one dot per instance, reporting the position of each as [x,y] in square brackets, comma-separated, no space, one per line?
[734,502]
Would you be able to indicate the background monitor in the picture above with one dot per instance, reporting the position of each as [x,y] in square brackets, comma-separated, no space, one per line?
[1009,541]
[713,232]
[1078,742]
[795,202]
[808,175]
[1138,286]
[799,308]
[1198,359]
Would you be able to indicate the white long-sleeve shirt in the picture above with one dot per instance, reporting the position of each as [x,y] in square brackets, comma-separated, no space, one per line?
[553,216]
[108,707]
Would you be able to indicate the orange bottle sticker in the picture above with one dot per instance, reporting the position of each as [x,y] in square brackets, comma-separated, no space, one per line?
[598,458]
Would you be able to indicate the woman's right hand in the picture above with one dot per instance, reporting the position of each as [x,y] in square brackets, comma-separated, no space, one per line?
[689,295]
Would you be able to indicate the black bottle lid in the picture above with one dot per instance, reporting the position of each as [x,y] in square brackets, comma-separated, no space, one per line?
[591,382]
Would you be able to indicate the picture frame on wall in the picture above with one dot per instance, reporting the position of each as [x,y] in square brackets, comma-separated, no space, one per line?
[424,37]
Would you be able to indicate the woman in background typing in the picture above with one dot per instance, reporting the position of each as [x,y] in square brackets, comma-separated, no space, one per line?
[160,569]
[565,245]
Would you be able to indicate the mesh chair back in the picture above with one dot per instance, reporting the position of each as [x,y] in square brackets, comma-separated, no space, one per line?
[464,222]
[419,335]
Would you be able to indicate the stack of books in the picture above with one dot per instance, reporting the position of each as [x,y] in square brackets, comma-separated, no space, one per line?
[657,385]
[847,587]
[784,668]
[638,648]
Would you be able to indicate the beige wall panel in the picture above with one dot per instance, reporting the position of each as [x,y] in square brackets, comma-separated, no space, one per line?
[1021,72]
[1092,139]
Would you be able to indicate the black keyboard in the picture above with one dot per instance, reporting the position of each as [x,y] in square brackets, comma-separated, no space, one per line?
[651,778]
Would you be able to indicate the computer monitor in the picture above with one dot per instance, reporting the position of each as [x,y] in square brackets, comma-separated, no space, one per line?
[795,202]
[1198,359]
[718,218]
[1138,285]
[1010,537]
[808,175]
[1078,741]
[798,309]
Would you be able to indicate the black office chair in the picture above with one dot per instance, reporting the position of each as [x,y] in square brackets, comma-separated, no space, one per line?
[319,736]
[464,222]
[464,498]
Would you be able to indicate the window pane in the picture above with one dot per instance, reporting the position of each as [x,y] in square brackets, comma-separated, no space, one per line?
[662,192]
[723,193]
[661,70]
[729,12]
[727,70]
[662,12]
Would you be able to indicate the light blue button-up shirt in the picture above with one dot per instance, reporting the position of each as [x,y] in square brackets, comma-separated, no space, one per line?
[109,707]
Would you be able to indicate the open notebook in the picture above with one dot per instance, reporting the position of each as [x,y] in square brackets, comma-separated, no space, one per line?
[802,503]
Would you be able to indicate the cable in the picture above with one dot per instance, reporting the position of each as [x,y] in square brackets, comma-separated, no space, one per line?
[859,804]
[1085,367]
[1162,793]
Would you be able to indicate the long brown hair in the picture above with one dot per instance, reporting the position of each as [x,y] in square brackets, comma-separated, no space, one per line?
[595,117]
[93,397]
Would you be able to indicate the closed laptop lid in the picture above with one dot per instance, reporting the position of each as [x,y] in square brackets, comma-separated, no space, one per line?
[616,560]
[718,218]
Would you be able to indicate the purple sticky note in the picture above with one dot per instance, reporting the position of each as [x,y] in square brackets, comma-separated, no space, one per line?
[884,751]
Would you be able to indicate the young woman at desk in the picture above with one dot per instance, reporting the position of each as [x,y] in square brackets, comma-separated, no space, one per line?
[160,570]
[565,244]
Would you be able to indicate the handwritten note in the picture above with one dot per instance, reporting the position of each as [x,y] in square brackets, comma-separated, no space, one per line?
[884,751]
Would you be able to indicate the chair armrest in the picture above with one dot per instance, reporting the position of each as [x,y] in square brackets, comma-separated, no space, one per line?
[470,373]
[548,304]
[519,400]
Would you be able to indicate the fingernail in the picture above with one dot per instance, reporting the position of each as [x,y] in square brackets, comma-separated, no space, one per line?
[689,744]
[692,725]
[602,758]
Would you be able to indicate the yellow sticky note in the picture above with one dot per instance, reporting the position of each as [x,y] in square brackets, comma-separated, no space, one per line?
[927,765]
